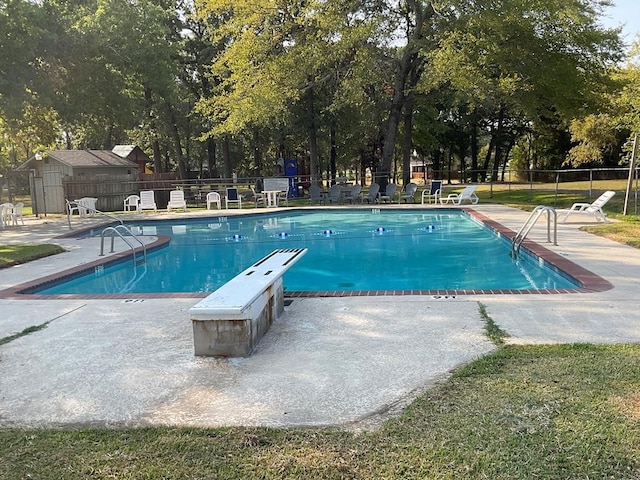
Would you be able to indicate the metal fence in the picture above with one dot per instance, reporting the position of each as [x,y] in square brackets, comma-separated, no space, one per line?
[588,182]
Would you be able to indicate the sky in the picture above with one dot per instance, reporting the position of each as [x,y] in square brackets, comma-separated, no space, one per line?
[627,14]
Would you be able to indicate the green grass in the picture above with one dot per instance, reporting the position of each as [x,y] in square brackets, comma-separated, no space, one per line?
[546,412]
[16,254]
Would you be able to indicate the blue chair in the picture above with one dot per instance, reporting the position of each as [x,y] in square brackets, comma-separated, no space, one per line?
[232,197]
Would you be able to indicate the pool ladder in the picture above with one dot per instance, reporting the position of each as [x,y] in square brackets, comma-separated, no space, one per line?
[537,212]
[124,233]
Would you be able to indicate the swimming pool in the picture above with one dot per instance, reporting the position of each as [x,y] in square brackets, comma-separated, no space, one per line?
[356,250]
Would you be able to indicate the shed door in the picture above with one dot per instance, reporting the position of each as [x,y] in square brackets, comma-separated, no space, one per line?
[53,192]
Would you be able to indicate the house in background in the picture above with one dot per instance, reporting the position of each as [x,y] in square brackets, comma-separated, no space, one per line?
[70,174]
[135,154]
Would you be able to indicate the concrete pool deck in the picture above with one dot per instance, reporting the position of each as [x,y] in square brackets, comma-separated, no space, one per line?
[328,361]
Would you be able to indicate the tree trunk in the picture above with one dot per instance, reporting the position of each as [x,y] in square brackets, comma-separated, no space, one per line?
[155,143]
[211,157]
[177,144]
[417,13]
[474,148]
[313,138]
[406,140]
[226,157]
[333,154]
[257,154]
[498,145]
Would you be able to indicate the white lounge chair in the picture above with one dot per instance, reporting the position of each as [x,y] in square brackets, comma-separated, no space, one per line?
[132,202]
[176,200]
[148,200]
[389,192]
[409,193]
[372,195]
[232,196]
[213,197]
[433,192]
[467,195]
[594,208]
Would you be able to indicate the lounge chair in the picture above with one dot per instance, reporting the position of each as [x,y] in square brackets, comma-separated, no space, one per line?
[353,194]
[176,200]
[372,195]
[389,192]
[433,192]
[214,197]
[314,194]
[232,196]
[409,193]
[335,194]
[132,202]
[594,208]
[148,200]
[467,195]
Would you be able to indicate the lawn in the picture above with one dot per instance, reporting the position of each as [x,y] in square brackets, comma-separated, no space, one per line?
[16,254]
[545,412]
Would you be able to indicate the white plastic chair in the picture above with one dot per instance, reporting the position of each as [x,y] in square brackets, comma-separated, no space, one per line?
[176,200]
[17,213]
[372,195]
[353,194]
[409,193]
[6,210]
[132,202]
[213,197]
[389,192]
[434,192]
[258,197]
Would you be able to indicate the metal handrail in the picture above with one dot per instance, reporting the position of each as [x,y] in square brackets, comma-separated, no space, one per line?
[517,240]
[116,230]
[90,209]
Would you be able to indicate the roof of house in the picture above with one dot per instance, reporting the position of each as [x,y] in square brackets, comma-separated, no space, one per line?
[124,150]
[86,158]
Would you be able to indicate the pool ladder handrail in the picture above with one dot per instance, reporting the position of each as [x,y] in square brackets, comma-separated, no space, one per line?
[517,240]
[117,231]
[90,209]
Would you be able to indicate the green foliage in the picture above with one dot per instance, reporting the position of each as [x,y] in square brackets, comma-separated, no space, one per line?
[596,139]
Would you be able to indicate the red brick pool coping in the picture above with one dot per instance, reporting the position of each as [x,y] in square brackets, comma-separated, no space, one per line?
[590,281]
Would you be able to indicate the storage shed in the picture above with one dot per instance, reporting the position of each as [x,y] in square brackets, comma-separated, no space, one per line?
[72,174]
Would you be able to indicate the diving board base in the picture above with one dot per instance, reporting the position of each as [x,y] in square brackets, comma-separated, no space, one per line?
[231,321]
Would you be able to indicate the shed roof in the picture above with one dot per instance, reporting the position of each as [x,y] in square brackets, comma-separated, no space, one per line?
[86,158]
[91,158]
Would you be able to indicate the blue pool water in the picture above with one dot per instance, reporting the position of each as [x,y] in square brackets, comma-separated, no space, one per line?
[347,250]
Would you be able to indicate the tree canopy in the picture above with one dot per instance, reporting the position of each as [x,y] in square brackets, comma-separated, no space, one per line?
[211,87]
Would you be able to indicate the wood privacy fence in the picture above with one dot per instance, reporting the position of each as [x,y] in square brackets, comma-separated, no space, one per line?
[110,190]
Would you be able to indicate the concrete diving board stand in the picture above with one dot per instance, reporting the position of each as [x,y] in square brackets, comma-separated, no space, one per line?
[231,321]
